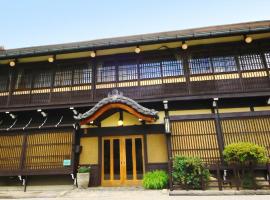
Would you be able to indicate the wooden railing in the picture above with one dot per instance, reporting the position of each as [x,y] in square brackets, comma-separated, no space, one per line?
[168,77]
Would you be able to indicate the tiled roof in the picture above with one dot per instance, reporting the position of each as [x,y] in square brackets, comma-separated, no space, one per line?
[212,31]
[117,97]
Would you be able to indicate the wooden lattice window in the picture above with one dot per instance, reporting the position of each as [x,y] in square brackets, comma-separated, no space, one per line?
[63,77]
[23,79]
[4,81]
[200,65]
[106,73]
[82,75]
[42,79]
[224,64]
[172,68]
[251,62]
[127,71]
[267,58]
[150,69]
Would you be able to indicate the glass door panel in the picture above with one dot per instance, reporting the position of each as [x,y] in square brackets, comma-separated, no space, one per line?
[106,160]
[129,159]
[139,158]
[116,159]
[122,160]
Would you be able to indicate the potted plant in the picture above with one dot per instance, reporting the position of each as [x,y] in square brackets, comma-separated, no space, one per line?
[83,176]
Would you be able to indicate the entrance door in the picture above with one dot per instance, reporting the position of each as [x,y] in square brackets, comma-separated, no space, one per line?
[122,160]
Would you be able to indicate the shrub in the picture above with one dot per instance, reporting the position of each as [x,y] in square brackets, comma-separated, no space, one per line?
[157,179]
[190,171]
[84,169]
[244,153]
[248,181]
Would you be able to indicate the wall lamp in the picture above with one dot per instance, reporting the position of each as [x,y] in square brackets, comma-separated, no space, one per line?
[42,113]
[184,45]
[74,110]
[12,63]
[121,120]
[248,39]
[268,101]
[11,115]
[51,59]
[166,118]
[137,49]
[93,54]
[165,103]
[215,102]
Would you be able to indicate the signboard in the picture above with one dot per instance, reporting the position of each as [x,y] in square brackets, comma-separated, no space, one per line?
[66,163]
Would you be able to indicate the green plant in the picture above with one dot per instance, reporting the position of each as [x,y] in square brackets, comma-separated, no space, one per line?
[248,181]
[157,179]
[244,153]
[190,172]
[84,169]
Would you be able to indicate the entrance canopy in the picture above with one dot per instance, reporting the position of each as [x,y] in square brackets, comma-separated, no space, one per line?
[116,100]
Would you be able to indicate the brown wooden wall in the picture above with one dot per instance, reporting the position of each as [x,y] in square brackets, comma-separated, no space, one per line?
[195,138]
[205,136]
[36,153]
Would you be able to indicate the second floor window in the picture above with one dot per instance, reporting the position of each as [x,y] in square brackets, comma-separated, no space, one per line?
[200,66]
[82,75]
[267,58]
[224,64]
[106,73]
[42,79]
[250,62]
[172,68]
[4,81]
[127,72]
[63,77]
[23,79]
[150,70]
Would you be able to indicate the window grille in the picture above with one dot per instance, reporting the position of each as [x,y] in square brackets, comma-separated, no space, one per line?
[43,79]
[82,75]
[4,81]
[172,68]
[267,58]
[150,70]
[106,73]
[127,72]
[224,64]
[23,79]
[250,62]
[63,77]
[200,65]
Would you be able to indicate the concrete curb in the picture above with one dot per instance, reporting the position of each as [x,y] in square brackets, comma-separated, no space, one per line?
[217,193]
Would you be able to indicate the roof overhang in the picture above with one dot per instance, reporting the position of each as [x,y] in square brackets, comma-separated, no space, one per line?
[116,100]
[108,46]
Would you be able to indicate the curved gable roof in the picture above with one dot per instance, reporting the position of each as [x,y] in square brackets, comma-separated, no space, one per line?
[116,99]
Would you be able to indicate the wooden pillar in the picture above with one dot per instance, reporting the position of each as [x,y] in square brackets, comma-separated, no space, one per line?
[11,84]
[145,152]
[220,139]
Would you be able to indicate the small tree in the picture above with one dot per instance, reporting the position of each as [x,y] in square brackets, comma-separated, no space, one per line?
[245,153]
[190,172]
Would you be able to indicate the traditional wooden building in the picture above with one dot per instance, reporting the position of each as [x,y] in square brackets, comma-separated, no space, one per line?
[128,105]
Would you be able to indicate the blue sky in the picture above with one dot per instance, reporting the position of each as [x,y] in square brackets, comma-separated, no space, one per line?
[41,22]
